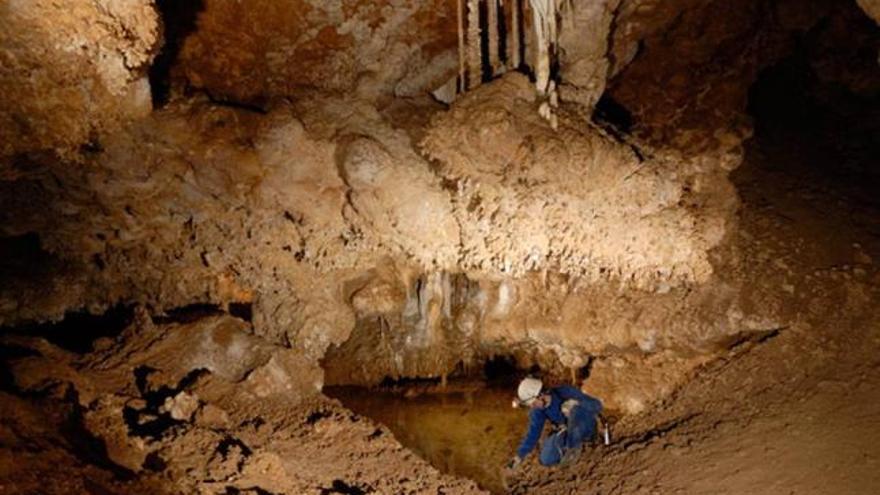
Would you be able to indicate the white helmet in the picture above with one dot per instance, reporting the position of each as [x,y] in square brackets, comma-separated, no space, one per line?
[529,389]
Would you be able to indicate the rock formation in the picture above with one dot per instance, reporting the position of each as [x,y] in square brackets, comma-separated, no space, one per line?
[567,202]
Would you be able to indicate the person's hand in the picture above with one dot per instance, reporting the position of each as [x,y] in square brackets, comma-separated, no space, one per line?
[514,463]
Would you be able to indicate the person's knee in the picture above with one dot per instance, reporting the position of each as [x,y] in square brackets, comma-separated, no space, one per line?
[581,426]
[549,457]
[551,451]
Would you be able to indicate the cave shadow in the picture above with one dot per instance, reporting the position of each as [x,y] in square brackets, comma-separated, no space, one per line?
[821,123]
[78,330]
[179,20]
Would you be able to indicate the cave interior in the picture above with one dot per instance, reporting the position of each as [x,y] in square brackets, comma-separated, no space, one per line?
[296,246]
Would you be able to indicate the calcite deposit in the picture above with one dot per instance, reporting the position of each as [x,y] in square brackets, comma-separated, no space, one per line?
[290,194]
[71,70]
[252,52]
[329,215]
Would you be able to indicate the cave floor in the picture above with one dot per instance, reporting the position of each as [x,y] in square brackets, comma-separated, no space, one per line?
[793,410]
[796,411]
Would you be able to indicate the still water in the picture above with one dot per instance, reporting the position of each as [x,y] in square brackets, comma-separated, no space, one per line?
[467,429]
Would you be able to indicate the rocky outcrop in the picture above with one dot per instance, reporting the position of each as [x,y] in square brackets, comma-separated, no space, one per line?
[584,61]
[572,200]
[871,7]
[372,48]
[382,236]
[71,71]
[325,220]
[683,69]
[202,405]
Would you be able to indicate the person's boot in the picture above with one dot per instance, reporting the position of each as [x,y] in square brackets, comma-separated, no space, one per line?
[569,456]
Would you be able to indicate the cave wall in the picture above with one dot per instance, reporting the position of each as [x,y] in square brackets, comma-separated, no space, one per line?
[407,241]
[70,70]
[683,69]
[254,51]
[299,211]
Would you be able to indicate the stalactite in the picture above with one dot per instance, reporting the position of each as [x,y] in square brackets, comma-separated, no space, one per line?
[515,36]
[461,49]
[545,18]
[544,21]
[492,36]
[474,52]
[447,294]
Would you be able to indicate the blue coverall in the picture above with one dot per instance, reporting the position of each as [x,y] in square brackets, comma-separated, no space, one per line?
[579,426]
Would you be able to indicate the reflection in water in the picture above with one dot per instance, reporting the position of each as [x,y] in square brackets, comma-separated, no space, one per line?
[466,430]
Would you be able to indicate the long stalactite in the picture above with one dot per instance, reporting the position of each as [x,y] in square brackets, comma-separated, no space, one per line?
[474,51]
[493,37]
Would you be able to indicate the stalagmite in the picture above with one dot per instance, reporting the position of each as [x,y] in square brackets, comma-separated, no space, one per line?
[492,36]
[474,53]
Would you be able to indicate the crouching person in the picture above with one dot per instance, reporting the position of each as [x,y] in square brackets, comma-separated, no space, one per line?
[571,413]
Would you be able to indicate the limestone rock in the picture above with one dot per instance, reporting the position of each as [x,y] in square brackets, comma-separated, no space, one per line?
[86,68]
[526,201]
[212,416]
[871,7]
[288,374]
[181,407]
[371,47]
[105,421]
[630,385]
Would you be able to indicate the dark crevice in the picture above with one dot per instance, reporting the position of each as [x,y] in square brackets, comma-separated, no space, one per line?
[242,311]
[340,486]
[225,447]
[178,22]
[254,490]
[84,444]
[500,368]
[486,74]
[743,339]
[78,331]
[258,107]
[22,257]
[618,122]
[9,353]
[148,421]
[154,462]
[188,314]
[609,111]
[502,32]
[317,416]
